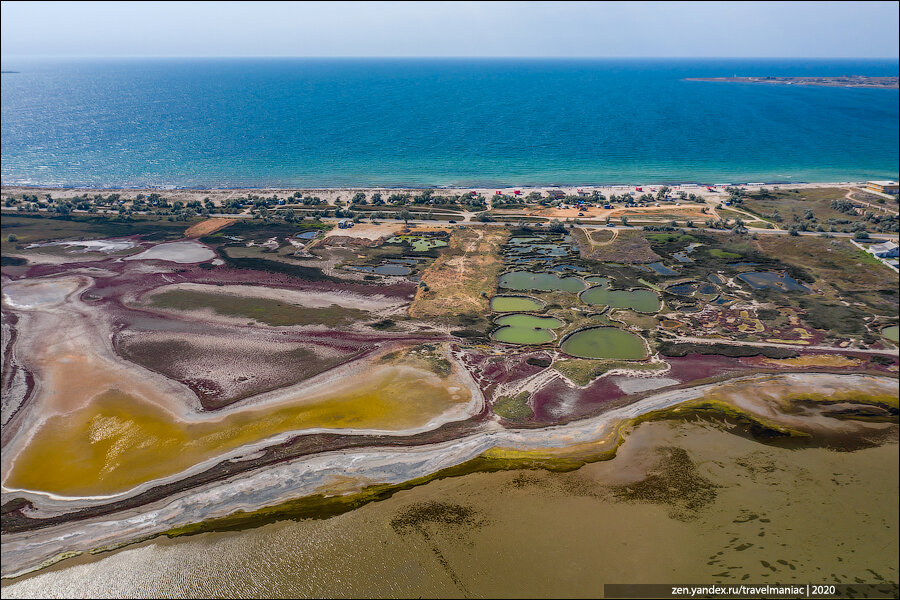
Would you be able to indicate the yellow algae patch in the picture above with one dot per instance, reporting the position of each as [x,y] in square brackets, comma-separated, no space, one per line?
[592,450]
[117,441]
[813,360]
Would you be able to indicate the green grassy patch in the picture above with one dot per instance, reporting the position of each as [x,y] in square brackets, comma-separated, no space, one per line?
[275,266]
[582,371]
[685,348]
[32,228]
[260,230]
[832,317]
[718,253]
[514,408]
[263,310]
[670,238]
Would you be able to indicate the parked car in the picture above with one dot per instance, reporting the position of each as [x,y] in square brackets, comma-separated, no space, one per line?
[451,221]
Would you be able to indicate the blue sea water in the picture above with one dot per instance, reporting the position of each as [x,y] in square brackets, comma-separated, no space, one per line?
[438,122]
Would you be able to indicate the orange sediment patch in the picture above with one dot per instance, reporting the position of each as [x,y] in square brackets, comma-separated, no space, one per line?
[208,226]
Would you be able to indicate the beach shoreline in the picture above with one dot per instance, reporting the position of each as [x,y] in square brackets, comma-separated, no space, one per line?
[21,187]
[330,195]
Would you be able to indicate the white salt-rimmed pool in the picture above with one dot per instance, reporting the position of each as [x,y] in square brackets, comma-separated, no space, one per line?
[179,252]
[108,246]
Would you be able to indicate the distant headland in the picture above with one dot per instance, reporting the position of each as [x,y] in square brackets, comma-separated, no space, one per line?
[862,81]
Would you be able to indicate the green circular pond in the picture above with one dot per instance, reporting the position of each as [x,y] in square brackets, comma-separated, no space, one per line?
[605,342]
[525,329]
[525,280]
[641,300]
[515,304]
[892,333]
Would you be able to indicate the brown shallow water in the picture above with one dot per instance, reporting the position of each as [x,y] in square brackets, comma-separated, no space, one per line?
[681,503]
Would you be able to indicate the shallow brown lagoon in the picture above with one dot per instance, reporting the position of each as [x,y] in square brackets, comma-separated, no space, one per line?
[681,502]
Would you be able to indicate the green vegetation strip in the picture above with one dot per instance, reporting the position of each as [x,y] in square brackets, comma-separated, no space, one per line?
[264,310]
[583,371]
[685,348]
[514,408]
[717,253]
[272,266]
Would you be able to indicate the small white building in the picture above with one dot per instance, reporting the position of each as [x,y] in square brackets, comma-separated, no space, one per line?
[885,250]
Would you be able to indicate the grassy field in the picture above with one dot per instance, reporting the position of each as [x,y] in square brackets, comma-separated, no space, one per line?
[669,238]
[831,259]
[683,349]
[719,253]
[850,285]
[817,208]
[749,221]
[464,277]
[789,202]
[628,247]
[252,229]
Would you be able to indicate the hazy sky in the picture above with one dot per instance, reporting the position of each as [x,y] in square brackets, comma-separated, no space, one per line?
[553,29]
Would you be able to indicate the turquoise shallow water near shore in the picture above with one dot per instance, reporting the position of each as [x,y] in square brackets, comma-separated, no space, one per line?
[351,122]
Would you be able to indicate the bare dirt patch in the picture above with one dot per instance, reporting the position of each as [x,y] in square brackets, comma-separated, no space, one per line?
[368,231]
[206,227]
